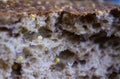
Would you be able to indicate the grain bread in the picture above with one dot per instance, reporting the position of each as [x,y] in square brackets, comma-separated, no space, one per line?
[83,37]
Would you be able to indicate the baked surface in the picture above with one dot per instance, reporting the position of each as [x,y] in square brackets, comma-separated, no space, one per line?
[47,6]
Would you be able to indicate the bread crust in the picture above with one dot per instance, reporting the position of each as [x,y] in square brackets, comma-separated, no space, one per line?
[40,7]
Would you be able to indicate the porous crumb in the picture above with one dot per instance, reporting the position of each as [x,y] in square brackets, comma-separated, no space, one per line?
[68,43]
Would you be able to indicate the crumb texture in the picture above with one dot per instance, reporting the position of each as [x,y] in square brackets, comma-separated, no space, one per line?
[60,45]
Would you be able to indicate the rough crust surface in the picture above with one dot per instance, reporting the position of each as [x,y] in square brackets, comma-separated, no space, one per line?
[20,7]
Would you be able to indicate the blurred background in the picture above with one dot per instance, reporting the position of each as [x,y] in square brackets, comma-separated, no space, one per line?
[114,1]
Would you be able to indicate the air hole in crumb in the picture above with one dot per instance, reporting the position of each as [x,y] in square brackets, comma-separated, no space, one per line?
[119,71]
[28,64]
[110,68]
[66,57]
[115,13]
[27,52]
[23,30]
[96,25]
[100,38]
[89,18]
[16,70]
[75,64]
[85,27]
[36,74]
[59,66]
[33,59]
[84,49]
[67,19]
[114,41]
[95,77]
[83,62]
[92,50]
[5,29]
[45,32]
[104,40]
[46,51]
[105,21]
[113,75]
[83,77]
[3,64]
[10,31]
[15,35]
[66,54]
[71,36]
[55,40]
[30,36]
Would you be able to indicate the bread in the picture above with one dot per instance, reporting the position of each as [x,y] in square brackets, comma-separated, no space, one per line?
[60,39]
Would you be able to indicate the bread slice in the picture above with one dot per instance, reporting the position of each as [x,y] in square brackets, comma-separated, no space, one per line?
[60,39]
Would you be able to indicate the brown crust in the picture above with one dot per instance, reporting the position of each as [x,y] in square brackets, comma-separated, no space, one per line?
[22,7]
